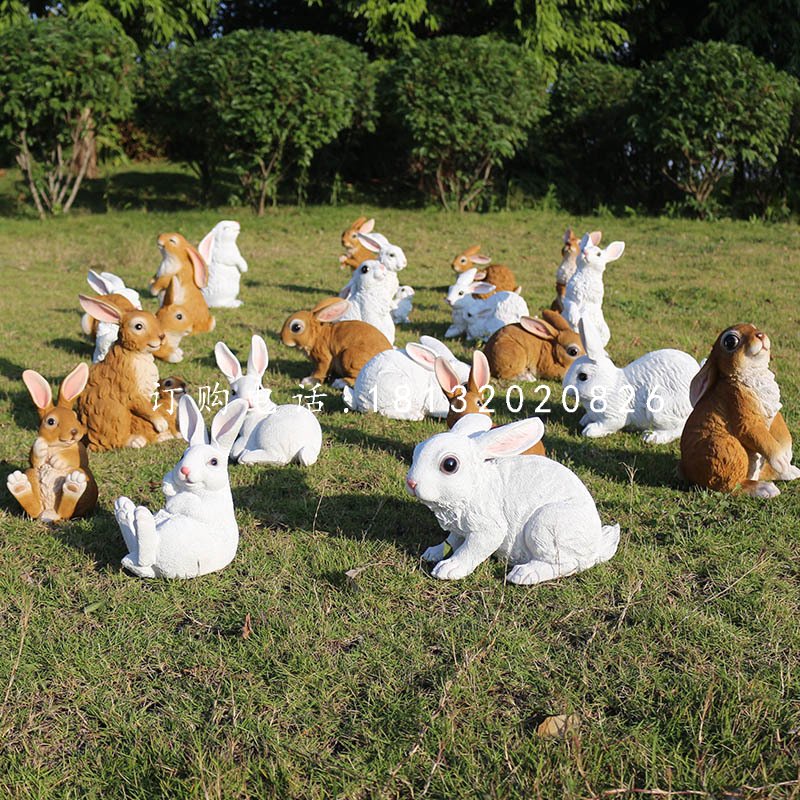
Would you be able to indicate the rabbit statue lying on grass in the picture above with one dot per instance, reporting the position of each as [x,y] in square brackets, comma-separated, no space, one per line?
[196,531]
[530,511]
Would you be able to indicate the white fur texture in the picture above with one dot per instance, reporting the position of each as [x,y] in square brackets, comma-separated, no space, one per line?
[271,434]
[532,513]
[403,304]
[196,531]
[583,298]
[225,265]
[401,384]
[650,394]
[484,317]
[107,332]
[371,296]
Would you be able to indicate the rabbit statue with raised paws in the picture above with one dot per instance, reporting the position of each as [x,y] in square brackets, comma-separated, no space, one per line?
[225,265]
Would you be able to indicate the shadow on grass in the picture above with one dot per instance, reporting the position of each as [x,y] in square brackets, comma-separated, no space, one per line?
[97,535]
[171,190]
[78,347]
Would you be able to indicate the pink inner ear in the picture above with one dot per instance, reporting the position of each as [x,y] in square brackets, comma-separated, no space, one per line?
[258,355]
[367,226]
[701,383]
[595,237]
[332,312]
[421,355]
[204,248]
[226,419]
[446,376]
[537,328]
[39,388]
[481,259]
[74,383]
[511,439]
[481,373]
[200,268]
[103,312]
[481,288]
[227,361]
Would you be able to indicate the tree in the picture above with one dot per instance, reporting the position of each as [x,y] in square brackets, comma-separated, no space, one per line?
[704,107]
[65,84]
[468,105]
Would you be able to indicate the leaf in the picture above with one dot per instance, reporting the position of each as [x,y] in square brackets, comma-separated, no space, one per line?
[247,628]
[559,726]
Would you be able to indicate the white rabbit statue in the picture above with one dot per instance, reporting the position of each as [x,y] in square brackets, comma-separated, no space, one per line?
[457,298]
[403,304]
[271,434]
[485,316]
[390,255]
[401,384]
[529,511]
[225,265]
[650,394]
[196,531]
[583,298]
[105,333]
[371,297]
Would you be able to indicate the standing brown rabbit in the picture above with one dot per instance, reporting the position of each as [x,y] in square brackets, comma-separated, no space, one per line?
[121,388]
[566,269]
[735,439]
[534,348]
[338,349]
[469,399]
[59,484]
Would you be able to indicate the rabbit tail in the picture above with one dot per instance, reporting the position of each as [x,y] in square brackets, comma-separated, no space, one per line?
[348,396]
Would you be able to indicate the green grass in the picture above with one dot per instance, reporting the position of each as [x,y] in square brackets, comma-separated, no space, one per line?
[679,655]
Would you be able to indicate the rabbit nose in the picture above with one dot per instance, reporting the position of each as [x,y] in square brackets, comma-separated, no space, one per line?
[411,483]
[185,471]
[760,335]
[161,337]
[74,431]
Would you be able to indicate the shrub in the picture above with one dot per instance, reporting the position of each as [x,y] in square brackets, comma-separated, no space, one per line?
[705,107]
[467,105]
[65,86]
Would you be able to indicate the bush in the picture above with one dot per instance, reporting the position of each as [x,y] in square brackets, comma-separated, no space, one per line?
[66,84]
[467,105]
[706,107]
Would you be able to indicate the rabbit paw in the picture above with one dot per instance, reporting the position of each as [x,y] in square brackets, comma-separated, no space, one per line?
[309,380]
[766,490]
[594,430]
[160,424]
[165,436]
[435,553]
[451,570]
[39,449]
[339,383]
[660,437]
[75,483]
[18,483]
[790,474]
[175,356]
[60,463]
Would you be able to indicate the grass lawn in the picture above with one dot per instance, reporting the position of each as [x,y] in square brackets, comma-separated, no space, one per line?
[679,655]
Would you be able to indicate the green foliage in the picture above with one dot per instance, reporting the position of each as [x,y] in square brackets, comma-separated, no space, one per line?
[468,105]
[706,106]
[66,85]
[148,22]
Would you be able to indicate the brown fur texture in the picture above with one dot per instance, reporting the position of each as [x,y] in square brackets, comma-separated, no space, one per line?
[176,321]
[470,399]
[500,276]
[338,349]
[50,491]
[569,251]
[121,387]
[534,348]
[165,401]
[735,439]
[355,252]
[182,261]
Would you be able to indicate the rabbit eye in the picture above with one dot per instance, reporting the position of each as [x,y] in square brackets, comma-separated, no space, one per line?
[179,316]
[173,240]
[51,421]
[730,341]
[449,465]
[139,326]
[572,350]
[582,376]
[214,462]
[463,260]
[461,294]
[296,326]
[365,269]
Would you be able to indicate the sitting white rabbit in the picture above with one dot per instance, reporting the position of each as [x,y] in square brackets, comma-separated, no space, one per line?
[401,384]
[529,511]
[225,265]
[402,304]
[390,255]
[105,333]
[583,298]
[372,297]
[271,434]
[485,316]
[457,298]
[196,531]
[650,394]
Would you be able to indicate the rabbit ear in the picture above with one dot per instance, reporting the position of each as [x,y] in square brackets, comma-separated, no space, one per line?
[539,328]
[421,355]
[595,237]
[447,378]
[440,348]
[204,248]
[479,276]
[511,439]
[614,251]
[555,319]
[199,267]
[176,293]
[39,389]
[367,226]
[480,287]
[102,312]
[332,311]
[73,385]
[98,283]
[479,375]
[227,362]
[369,243]
[567,235]
[226,424]
[483,260]
[259,357]
[471,251]
[190,421]
[591,339]
[472,423]
[703,381]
